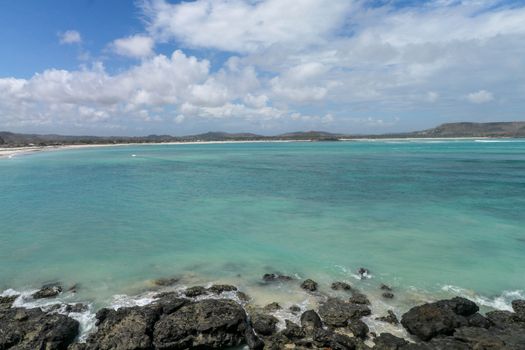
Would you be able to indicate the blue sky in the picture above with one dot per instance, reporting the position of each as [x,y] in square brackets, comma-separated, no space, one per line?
[266,66]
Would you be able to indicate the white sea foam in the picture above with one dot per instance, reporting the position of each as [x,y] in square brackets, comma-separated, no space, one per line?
[500,302]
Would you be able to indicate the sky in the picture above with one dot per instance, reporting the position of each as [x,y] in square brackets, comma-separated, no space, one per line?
[145,67]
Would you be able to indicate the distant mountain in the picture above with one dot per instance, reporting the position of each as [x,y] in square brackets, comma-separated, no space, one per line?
[498,129]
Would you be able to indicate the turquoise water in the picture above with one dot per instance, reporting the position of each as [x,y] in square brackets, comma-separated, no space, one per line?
[420,215]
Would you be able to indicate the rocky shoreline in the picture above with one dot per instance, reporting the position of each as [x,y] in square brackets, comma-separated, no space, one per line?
[210,318]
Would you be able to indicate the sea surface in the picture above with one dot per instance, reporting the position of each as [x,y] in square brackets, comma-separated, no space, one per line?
[430,218]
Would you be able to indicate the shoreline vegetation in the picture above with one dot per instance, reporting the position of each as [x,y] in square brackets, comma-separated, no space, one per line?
[12,144]
[221,316]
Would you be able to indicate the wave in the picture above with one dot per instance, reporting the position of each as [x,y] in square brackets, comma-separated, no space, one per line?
[500,302]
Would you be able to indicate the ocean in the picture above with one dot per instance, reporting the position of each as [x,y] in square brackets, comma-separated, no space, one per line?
[430,218]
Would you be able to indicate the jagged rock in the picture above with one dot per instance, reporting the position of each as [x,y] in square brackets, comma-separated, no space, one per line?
[212,323]
[478,320]
[363,272]
[341,286]
[388,295]
[242,296]
[264,324]
[164,282]
[389,318]
[519,308]
[221,288]
[440,318]
[501,319]
[385,287]
[193,292]
[272,307]
[7,302]
[359,298]
[272,277]
[336,312]
[387,341]
[292,331]
[168,303]
[48,291]
[252,340]
[309,285]
[510,338]
[311,321]
[124,329]
[358,328]
[294,309]
[34,329]
[323,338]
[79,307]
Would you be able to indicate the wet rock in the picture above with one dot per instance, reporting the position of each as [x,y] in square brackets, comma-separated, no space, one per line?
[510,338]
[341,286]
[294,309]
[212,323]
[7,301]
[387,341]
[440,318]
[272,277]
[336,312]
[311,321]
[79,307]
[165,282]
[309,285]
[196,291]
[385,287]
[359,298]
[272,307]
[292,331]
[125,328]
[501,319]
[221,288]
[441,344]
[73,288]
[389,318]
[264,324]
[242,296]
[48,291]
[363,272]
[252,340]
[478,320]
[34,329]
[519,308]
[358,328]
[323,338]
[168,303]
[388,295]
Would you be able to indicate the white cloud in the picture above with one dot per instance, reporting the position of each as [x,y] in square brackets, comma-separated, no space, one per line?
[70,37]
[136,46]
[481,96]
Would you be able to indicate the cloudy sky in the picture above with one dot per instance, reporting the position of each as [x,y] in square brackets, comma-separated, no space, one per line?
[267,66]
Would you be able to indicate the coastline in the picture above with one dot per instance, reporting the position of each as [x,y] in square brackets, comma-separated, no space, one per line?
[10,152]
[217,316]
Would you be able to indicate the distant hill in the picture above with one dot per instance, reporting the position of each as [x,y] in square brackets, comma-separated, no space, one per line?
[497,129]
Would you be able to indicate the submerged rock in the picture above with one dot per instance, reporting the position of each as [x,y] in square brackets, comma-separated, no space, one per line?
[48,291]
[389,318]
[35,329]
[221,288]
[337,313]
[165,282]
[272,307]
[294,309]
[272,277]
[388,295]
[264,324]
[212,323]
[359,298]
[440,318]
[385,287]
[341,286]
[309,285]
[193,292]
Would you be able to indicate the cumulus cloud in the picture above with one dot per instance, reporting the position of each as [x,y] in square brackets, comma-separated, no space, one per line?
[481,96]
[136,46]
[70,37]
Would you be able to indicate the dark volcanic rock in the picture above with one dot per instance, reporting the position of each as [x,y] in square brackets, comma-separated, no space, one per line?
[34,329]
[309,285]
[79,307]
[501,319]
[323,338]
[389,318]
[359,298]
[363,272]
[48,291]
[341,286]
[311,321]
[193,292]
[519,309]
[272,307]
[478,320]
[221,288]
[294,309]
[213,323]
[163,282]
[292,331]
[510,338]
[168,303]
[359,328]
[124,329]
[440,318]
[388,295]
[7,302]
[272,277]
[336,313]
[387,341]
[242,296]
[264,324]
[385,287]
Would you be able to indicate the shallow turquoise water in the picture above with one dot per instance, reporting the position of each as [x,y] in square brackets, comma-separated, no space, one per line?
[419,215]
